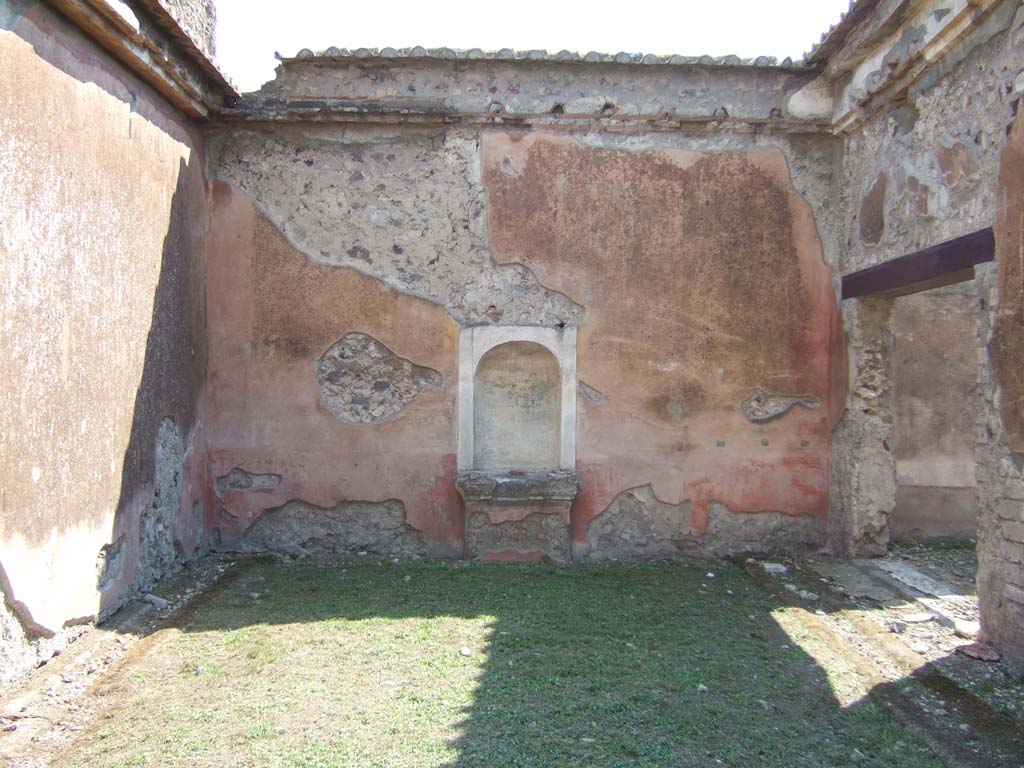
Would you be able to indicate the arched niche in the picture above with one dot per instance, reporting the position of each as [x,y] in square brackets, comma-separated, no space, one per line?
[526,376]
[517,408]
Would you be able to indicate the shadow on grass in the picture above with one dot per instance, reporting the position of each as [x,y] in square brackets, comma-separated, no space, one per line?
[318,663]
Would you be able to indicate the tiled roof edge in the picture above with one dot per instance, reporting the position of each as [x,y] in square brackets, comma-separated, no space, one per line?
[508,54]
[834,38]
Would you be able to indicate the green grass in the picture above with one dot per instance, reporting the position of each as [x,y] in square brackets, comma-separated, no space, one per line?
[937,545]
[358,664]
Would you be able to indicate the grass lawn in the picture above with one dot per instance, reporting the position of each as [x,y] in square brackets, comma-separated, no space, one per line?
[362,664]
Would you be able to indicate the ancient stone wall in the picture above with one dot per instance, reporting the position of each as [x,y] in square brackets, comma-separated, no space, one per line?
[102,241]
[273,362]
[389,200]
[1000,444]
[925,94]
[197,19]
[920,166]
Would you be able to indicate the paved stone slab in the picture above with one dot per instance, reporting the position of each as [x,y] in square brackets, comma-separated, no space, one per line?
[910,576]
[854,581]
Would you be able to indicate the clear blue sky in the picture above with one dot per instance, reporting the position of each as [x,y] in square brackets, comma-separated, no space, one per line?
[250,31]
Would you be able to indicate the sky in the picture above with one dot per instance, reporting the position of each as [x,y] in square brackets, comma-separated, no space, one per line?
[250,31]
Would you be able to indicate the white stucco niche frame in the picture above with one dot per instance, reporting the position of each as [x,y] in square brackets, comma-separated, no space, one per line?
[476,341]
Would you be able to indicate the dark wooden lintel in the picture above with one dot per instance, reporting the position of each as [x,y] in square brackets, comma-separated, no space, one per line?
[943,264]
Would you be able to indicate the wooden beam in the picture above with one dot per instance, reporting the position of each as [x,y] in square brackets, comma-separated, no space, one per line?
[943,264]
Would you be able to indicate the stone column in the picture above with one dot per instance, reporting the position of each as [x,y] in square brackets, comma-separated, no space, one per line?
[863,469]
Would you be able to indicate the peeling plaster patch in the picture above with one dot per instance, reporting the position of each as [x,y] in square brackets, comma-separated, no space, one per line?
[904,117]
[16,620]
[110,564]
[25,644]
[764,406]
[954,163]
[905,48]
[14,644]
[638,524]
[361,381]
[349,527]
[240,480]
[872,212]
[425,237]
[227,514]
[592,395]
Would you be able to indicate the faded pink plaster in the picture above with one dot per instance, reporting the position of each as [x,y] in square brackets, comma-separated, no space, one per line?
[272,314]
[702,278]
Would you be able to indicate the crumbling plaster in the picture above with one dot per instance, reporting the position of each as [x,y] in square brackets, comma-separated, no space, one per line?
[403,205]
[685,220]
[752,307]
[1000,469]
[934,153]
[348,528]
[429,237]
[104,338]
[273,314]
[653,95]
[938,149]
[413,206]
[493,240]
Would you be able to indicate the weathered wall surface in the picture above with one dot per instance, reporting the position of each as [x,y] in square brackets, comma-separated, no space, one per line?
[926,108]
[403,205]
[922,170]
[285,457]
[696,104]
[101,262]
[197,19]
[1006,346]
[723,395]
[703,282]
[1000,454]
[533,84]
[935,376]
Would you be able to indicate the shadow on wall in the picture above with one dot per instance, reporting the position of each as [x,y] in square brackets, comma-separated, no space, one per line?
[159,522]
